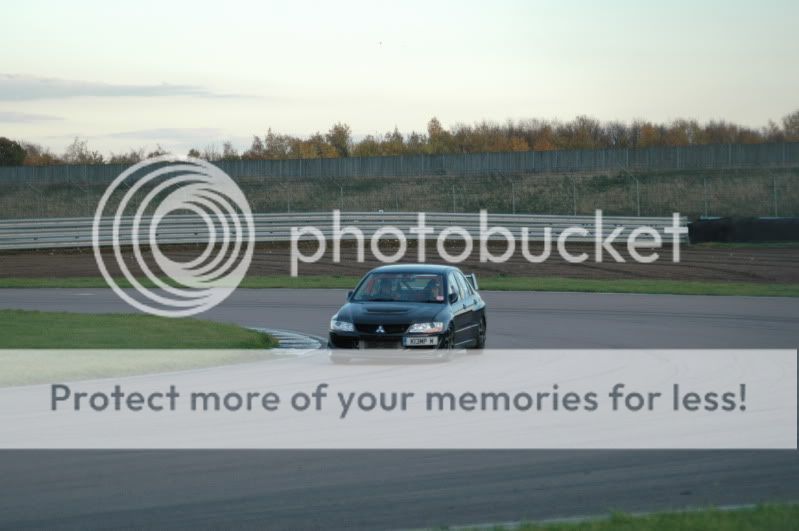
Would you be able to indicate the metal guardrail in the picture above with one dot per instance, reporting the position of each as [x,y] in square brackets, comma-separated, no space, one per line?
[190,229]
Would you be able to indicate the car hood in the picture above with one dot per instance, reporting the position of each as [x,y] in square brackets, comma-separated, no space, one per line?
[389,312]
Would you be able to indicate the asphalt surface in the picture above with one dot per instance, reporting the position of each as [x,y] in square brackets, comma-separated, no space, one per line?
[411,489]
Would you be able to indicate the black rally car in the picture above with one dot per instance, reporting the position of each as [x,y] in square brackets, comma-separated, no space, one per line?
[414,307]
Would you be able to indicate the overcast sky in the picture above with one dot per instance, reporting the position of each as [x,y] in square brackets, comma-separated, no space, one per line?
[133,73]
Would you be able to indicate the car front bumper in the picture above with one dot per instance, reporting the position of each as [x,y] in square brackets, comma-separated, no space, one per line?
[362,341]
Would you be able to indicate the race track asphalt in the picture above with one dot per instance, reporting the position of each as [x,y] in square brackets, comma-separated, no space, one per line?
[411,489]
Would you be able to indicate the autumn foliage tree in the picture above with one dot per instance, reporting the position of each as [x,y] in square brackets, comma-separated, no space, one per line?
[583,132]
[339,138]
[36,155]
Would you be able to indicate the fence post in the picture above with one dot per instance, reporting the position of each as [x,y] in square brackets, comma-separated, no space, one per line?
[453,198]
[574,195]
[513,196]
[86,190]
[637,195]
[38,195]
[774,192]
[704,193]
[341,197]
[283,186]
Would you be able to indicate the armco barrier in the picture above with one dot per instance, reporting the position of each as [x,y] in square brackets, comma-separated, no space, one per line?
[745,230]
[189,229]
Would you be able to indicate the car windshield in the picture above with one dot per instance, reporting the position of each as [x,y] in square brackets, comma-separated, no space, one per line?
[401,287]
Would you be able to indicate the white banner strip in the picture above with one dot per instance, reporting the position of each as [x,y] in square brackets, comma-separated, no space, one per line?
[501,399]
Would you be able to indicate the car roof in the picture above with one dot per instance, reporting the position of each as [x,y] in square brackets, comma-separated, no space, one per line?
[415,268]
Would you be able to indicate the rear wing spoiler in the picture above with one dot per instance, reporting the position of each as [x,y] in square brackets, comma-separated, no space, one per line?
[472,278]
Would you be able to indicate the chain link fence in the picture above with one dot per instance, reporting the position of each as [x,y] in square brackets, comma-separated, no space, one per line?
[740,192]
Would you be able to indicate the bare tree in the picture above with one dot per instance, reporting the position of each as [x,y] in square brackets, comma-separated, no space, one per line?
[78,152]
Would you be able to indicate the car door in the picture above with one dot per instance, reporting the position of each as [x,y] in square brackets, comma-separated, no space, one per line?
[460,313]
[470,314]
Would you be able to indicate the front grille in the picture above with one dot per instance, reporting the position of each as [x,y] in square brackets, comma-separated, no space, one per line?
[381,342]
[389,328]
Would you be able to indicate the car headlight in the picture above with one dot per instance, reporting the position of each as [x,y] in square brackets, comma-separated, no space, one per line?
[341,326]
[426,328]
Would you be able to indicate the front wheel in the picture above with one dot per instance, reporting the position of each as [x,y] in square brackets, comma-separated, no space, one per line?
[480,340]
[445,350]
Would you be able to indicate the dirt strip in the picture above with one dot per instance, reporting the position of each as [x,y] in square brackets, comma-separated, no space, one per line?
[754,264]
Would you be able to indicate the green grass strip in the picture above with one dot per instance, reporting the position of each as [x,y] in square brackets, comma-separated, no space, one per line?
[501,283]
[57,330]
[775,517]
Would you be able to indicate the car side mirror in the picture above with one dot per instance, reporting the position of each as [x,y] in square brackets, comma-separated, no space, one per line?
[453,298]
[349,295]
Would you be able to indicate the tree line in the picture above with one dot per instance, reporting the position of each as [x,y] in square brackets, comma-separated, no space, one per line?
[583,132]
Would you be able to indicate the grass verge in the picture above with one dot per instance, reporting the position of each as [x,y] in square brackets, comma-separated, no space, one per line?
[55,330]
[671,287]
[760,518]
[500,283]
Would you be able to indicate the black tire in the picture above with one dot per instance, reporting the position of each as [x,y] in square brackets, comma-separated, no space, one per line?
[446,350]
[480,343]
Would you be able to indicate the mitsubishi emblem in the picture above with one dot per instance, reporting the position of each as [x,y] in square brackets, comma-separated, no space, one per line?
[380,330]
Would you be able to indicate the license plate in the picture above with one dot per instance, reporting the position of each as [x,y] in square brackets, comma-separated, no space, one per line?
[423,341]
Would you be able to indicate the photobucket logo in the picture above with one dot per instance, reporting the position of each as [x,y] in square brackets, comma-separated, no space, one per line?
[172,190]
[641,241]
